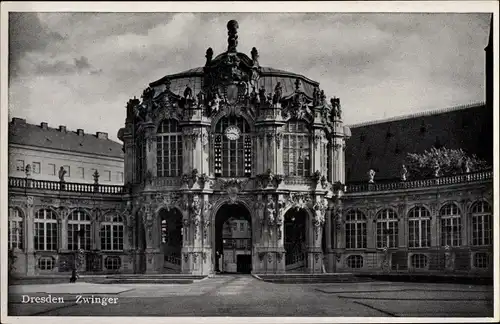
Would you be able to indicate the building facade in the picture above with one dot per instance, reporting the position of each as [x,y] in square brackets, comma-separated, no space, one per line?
[237,141]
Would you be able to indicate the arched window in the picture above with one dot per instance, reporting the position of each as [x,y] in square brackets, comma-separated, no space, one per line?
[79,231]
[46,230]
[481,224]
[387,229]
[169,149]
[112,233]
[419,227]
[15,229]
[355,230]
[233,149]
[296,154]
[451,226]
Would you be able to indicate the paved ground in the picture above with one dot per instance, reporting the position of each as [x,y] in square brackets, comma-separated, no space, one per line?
[238,295]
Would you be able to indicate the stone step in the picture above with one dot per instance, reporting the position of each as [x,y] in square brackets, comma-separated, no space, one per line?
[312,278]
[147,281]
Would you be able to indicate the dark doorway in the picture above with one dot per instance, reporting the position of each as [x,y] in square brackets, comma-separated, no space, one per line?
[295,239]
[244,263]
[171,239]
[233,240]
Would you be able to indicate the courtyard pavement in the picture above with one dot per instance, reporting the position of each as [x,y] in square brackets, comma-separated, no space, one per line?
[243,295]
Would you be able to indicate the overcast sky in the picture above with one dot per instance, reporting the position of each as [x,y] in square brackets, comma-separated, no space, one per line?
[79,69]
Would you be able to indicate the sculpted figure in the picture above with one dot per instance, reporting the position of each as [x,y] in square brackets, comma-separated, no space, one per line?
[188,92]
[62,173]
[371,175]
[278,93]
[404,173]
[262,95]
[270,207]
[255,56]
[215,103]
[209,54]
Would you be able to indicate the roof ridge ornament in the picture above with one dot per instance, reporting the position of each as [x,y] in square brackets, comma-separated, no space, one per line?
[232,32]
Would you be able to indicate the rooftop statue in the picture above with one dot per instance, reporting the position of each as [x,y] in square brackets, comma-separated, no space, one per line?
[209,55]
[255,56]
[232,32]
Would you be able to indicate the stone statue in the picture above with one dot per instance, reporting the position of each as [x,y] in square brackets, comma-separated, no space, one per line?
[62,173]
[262,95]
[322,97]
[404,173]
[316,96]
[467,166]
[253,95]
[255,56]
[371,175]
[270,207]
[201,97]
[215,103]
[278,93]
[196,208]
[209,54]
[188,93]
[28,171]
[232,32]
[337,111]
[298,85]
[437,169]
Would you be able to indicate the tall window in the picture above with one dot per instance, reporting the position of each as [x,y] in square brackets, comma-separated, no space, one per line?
[419,227]
[15,229]
[169,149]
[355,230]
[79,231]
[140,146]
[46,230]
[481,224]
[296,155]
[112,233]
[451,226]
[387,229]
[233,151]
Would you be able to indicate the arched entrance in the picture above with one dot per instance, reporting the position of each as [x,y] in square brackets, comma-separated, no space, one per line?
[295,240]
[233,239]
[171,239]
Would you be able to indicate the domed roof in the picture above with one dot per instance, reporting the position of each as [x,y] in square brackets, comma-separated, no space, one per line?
[269,77]
[233,67]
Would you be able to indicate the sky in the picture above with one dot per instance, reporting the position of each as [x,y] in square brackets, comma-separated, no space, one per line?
[80,69]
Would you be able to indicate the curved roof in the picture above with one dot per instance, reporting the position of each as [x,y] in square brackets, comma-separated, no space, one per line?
[269,77]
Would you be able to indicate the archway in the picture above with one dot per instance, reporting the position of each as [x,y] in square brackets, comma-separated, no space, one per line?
[171,239]
[295,240]
[233,239]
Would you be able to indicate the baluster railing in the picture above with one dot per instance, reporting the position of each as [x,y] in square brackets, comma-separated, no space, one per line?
[421,183]
[15,182]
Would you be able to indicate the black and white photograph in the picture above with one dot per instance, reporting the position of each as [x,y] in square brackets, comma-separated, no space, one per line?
[250,162]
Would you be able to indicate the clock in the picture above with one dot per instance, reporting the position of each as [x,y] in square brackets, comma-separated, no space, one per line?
[232,133]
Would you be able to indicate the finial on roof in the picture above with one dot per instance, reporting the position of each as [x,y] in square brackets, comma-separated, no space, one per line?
[232,32]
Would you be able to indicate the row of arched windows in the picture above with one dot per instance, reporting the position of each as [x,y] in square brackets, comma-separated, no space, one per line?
[233,158]
[419,227]
[79,231]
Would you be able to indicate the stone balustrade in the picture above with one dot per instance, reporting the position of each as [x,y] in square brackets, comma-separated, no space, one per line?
[421,183]
[65,186]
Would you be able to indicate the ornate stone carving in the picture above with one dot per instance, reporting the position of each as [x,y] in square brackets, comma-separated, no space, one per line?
[207,208]
[270,210]
[319,215]
[29,201]
[259,210]
[371,176]
[299,200]
[278,137]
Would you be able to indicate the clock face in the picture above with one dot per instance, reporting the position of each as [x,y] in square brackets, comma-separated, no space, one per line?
[232,133]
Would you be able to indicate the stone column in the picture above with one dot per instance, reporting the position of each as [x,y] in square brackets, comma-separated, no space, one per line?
[129,160]
[154,261]
[371,229]
[315,255]
[464,221]
[329,227]
[402,226]
[29,235]
[434,225]
[150,151]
